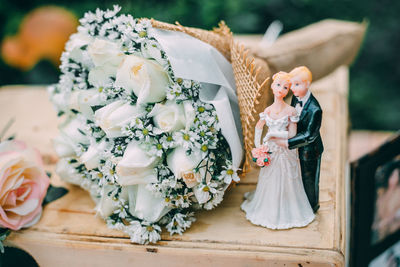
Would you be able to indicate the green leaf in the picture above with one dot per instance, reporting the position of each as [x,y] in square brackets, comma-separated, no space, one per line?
[4,232]
[54,193]
[82,132]
[94,108]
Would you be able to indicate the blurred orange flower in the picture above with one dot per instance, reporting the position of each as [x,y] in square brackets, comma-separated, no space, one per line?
[42,35]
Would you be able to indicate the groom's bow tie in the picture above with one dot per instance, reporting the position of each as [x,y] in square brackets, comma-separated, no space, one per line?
[300,103]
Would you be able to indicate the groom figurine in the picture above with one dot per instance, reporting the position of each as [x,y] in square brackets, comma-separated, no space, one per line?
[307,140]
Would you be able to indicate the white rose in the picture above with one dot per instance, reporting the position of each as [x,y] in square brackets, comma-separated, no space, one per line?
[67,172]
[63,147]
[77,40]
[168,117]
[146,78]
[83,100]
[101,76]
[144,205]
[72,128]
[151,49]
[91,158]
[74,45]
[70,136]
[59,100]
[136,166]
[106,206]
[115,115]
[202,192]
[105,53]
[182,165]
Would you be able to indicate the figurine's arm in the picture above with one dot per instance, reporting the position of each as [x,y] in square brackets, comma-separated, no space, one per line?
[258,131]
[292,129]
[308,136]
[278,135]
[259,128]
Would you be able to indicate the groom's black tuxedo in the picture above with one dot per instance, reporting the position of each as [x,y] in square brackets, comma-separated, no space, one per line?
[308,141]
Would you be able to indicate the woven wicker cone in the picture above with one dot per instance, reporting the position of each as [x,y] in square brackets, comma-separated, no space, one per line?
[251,76]
[252,84]
[220,37]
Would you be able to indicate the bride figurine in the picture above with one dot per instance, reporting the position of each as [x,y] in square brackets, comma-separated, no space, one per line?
[279,201]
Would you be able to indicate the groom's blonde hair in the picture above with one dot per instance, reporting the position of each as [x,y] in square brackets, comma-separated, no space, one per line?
[304,73]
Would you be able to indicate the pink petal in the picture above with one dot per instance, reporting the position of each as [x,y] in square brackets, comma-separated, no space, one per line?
[10,200]
[26,207]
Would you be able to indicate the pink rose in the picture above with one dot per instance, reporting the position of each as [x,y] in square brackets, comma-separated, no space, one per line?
[23,185]
[268,157]
[264,149]
[260,162]
[256,153]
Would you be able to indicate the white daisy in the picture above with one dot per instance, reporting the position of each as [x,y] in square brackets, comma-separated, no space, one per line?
[229,173]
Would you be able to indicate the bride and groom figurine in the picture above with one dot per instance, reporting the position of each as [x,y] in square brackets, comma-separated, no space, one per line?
[288,186]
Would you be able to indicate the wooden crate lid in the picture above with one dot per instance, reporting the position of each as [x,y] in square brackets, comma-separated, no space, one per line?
[69,225]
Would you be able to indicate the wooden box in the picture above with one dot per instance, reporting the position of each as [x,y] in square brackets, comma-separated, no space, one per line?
[69,233]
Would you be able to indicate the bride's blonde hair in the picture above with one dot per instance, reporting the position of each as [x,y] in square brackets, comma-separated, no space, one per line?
[281,76]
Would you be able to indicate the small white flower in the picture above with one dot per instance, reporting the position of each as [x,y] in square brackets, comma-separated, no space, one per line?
[156,149]
[122,207]
[145,133]
[147,233]
[174,92]
[229,173]
[167,141]
[205,147]
[114,224]
[186,139]
[109,173]
[215,201]
[203,191]
[187,83]
[179,223]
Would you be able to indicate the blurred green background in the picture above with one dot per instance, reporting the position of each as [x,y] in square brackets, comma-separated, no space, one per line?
[374,77]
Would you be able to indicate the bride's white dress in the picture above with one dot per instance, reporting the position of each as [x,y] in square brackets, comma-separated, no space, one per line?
[279,201]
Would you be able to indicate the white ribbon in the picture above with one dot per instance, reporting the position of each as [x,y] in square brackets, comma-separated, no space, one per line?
[196,60]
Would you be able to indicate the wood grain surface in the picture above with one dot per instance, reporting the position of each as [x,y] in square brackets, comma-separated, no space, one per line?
[69,233]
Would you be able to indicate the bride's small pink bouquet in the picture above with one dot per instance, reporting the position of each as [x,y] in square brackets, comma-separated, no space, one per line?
[261,155]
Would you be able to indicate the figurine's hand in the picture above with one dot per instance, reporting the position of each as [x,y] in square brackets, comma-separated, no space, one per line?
[281,142]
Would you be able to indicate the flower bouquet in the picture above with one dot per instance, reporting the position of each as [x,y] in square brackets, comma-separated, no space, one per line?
[152,127]
[261,155]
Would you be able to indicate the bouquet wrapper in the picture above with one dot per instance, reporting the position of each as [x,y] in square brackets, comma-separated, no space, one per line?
[251,79]
[214,72]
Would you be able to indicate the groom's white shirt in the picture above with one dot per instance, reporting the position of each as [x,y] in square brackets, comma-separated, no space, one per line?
[304,100]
